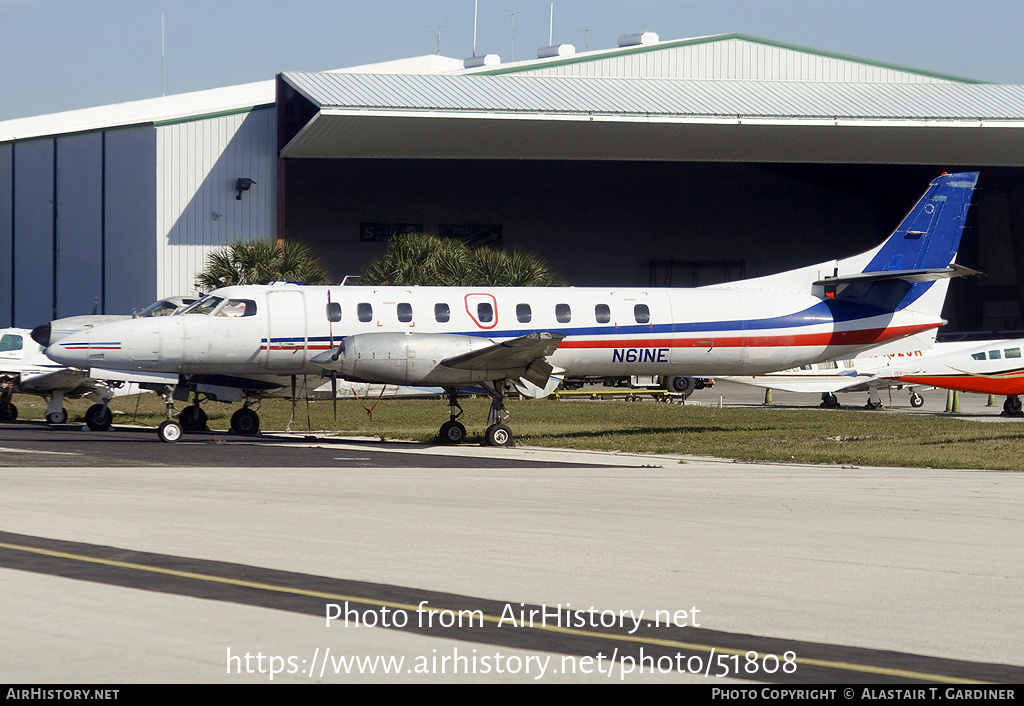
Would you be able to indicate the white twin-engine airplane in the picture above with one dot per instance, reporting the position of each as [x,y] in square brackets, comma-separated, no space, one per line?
[528,337]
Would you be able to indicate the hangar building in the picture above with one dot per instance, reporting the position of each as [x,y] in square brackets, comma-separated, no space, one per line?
[656,163]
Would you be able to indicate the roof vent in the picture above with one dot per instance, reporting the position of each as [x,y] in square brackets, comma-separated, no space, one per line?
[556,50]
[474,62]
[632,40]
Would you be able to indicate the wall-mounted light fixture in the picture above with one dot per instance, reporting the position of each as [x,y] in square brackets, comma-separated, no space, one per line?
[242,184]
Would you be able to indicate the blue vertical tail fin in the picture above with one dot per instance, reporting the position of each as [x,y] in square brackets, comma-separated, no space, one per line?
[929,236]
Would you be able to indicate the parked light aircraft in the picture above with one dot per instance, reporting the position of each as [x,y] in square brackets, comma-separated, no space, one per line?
[989,367]
[869,371]
[528,337]
[24,368]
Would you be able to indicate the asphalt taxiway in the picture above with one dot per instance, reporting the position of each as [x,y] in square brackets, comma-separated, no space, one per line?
[117,572]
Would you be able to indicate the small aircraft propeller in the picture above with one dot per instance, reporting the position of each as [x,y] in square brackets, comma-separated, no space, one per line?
[334,373]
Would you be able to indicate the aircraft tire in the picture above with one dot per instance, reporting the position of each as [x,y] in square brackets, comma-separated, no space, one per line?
[498,435]
[8,412]
[245,422]
[97,418]
[169,431]
[192,418]
[680,384]
[57,417]
[1012,406]
[916,400]
[452,432]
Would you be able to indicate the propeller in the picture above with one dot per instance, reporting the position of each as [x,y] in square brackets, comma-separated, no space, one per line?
[334,373]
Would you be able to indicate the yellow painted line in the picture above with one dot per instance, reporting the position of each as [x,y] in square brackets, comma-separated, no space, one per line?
[830,664]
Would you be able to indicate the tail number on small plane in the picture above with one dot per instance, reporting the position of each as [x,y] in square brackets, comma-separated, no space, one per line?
[640,355]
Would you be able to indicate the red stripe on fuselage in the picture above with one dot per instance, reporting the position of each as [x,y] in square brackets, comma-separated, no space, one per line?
[860,337]
[971,383]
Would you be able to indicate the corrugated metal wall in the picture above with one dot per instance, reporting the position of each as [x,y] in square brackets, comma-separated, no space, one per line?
[198,163]
[76,225]
[734,59]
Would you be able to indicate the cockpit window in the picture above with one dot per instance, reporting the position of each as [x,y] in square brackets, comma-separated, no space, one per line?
[206,305]
[160,308]
[978,356]
[10,342]
[219,306]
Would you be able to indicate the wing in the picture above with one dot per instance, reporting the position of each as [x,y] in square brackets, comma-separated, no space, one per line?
[849,381]
[526,352]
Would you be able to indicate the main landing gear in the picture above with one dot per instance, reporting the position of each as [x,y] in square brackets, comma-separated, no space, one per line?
[1012,407]
[497,433]
[244,422]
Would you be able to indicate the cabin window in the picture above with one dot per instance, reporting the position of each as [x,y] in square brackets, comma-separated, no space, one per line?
[978,356]
[563,313]
[603,313]
[641,313]
[523,313]
[10,342]
[994,355]
[1011,353]
[484,312]
[364,312]
[405,312]
[442,313]
[333,312]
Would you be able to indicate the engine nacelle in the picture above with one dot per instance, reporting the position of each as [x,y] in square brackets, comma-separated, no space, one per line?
[404,358]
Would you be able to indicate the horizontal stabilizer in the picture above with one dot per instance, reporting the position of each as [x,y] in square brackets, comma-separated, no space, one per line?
[520,352]
[927,275]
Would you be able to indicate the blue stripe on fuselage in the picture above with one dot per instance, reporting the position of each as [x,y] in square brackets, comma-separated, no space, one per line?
[828,311]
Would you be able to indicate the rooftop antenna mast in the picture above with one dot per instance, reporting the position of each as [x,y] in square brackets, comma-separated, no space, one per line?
[475,4]
[513,16]
[439,27]
[551,25]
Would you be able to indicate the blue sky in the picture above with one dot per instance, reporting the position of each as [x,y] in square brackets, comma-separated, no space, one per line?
[64,54]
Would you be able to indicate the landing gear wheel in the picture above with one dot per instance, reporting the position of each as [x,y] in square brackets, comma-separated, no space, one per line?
[169,431]
[57,417]
[8,412]
[245,422]
[681,384]
[916,400]
[873,405]
[829,401]
[452,433]
[192,418]
[98,418]
[1012,406]
[498,435]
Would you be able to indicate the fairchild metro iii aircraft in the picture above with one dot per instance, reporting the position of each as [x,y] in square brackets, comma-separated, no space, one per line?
[528,337]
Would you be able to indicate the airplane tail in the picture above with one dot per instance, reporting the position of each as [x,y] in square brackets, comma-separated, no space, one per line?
[928,237]
[911,268]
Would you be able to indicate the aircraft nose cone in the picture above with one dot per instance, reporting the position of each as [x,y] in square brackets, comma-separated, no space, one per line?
[41,334]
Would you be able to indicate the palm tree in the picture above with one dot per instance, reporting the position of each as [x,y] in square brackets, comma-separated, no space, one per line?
[261,262]
[421,259]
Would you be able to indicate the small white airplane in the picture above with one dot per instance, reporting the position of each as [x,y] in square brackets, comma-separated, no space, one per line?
[24,368]
[527,338]
[994,367]
[868,371]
